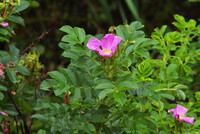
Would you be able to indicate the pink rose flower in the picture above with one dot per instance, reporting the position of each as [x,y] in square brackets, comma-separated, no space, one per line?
[107,46]
[179,113]
[5,24]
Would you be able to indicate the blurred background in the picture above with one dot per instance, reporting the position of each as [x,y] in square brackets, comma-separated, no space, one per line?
[95,16]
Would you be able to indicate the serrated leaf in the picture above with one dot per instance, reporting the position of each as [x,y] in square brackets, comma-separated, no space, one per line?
[13,50]
[68,29]
[70,39]
[181,94]
[1,96]
[180,51]
[80,32]
[143,52]
[3,88]
[61,90]
[136,25]
[104,86]
[127,85]
[16,19]
[41,131]
[23,5]
[171,68]
[4,31]
[77,94]
[46,84]
[23,70]
[39,116]
[11,75]
[58,76]
[168,96]
[120,97]
[72,55]
[70,76]
[122,31]
[104,93]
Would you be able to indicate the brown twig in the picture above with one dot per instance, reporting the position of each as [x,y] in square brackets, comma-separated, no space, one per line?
[36,41]
[19,112]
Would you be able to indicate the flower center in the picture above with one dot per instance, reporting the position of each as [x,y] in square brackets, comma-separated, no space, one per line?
[106,51]
[181,116]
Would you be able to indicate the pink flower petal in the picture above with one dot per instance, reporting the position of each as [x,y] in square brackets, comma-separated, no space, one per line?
[107,41]
[181,110]
[5,130]
[3,113]
[5,24]
[188,119]
[94,44]
[174,112]
[116,41]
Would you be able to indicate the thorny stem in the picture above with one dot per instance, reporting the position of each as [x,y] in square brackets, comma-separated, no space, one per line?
[16,123]
[19,112]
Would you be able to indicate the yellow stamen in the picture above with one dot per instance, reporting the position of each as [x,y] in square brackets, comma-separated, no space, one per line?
[106,51]
[181,116]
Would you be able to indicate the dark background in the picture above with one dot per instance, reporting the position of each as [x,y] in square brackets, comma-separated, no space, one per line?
[95,16]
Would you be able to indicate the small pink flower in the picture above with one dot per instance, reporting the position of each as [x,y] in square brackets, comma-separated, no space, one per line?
[5,130]
[179,113]
[5,123]
[5,24]
[3,113]
[107,46]
[1,72]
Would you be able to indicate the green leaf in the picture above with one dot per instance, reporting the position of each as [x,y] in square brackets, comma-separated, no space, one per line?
[127,85]
[181,94]
[1,96]
[23,5]
[180,51]
[148,42]
[13,50]
[120,97]
[162,30]
[80,32]
[171,68]
[41,131]
[58,76]
[104,86]
[104,93]
[16,19]
[2,39]
[48,83]
[143,52]
[12,75]
[136,25]
[122,31]
[40,106]
[72,55]
[70,76]
[23,70]
[70,39]
[77,94]
[3,88]
[69,30]
[168,96]
[192,23]
[4,31]
[197,123]
[61,89]
[180,86]
[179,18]
[39,116]
[188,69]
